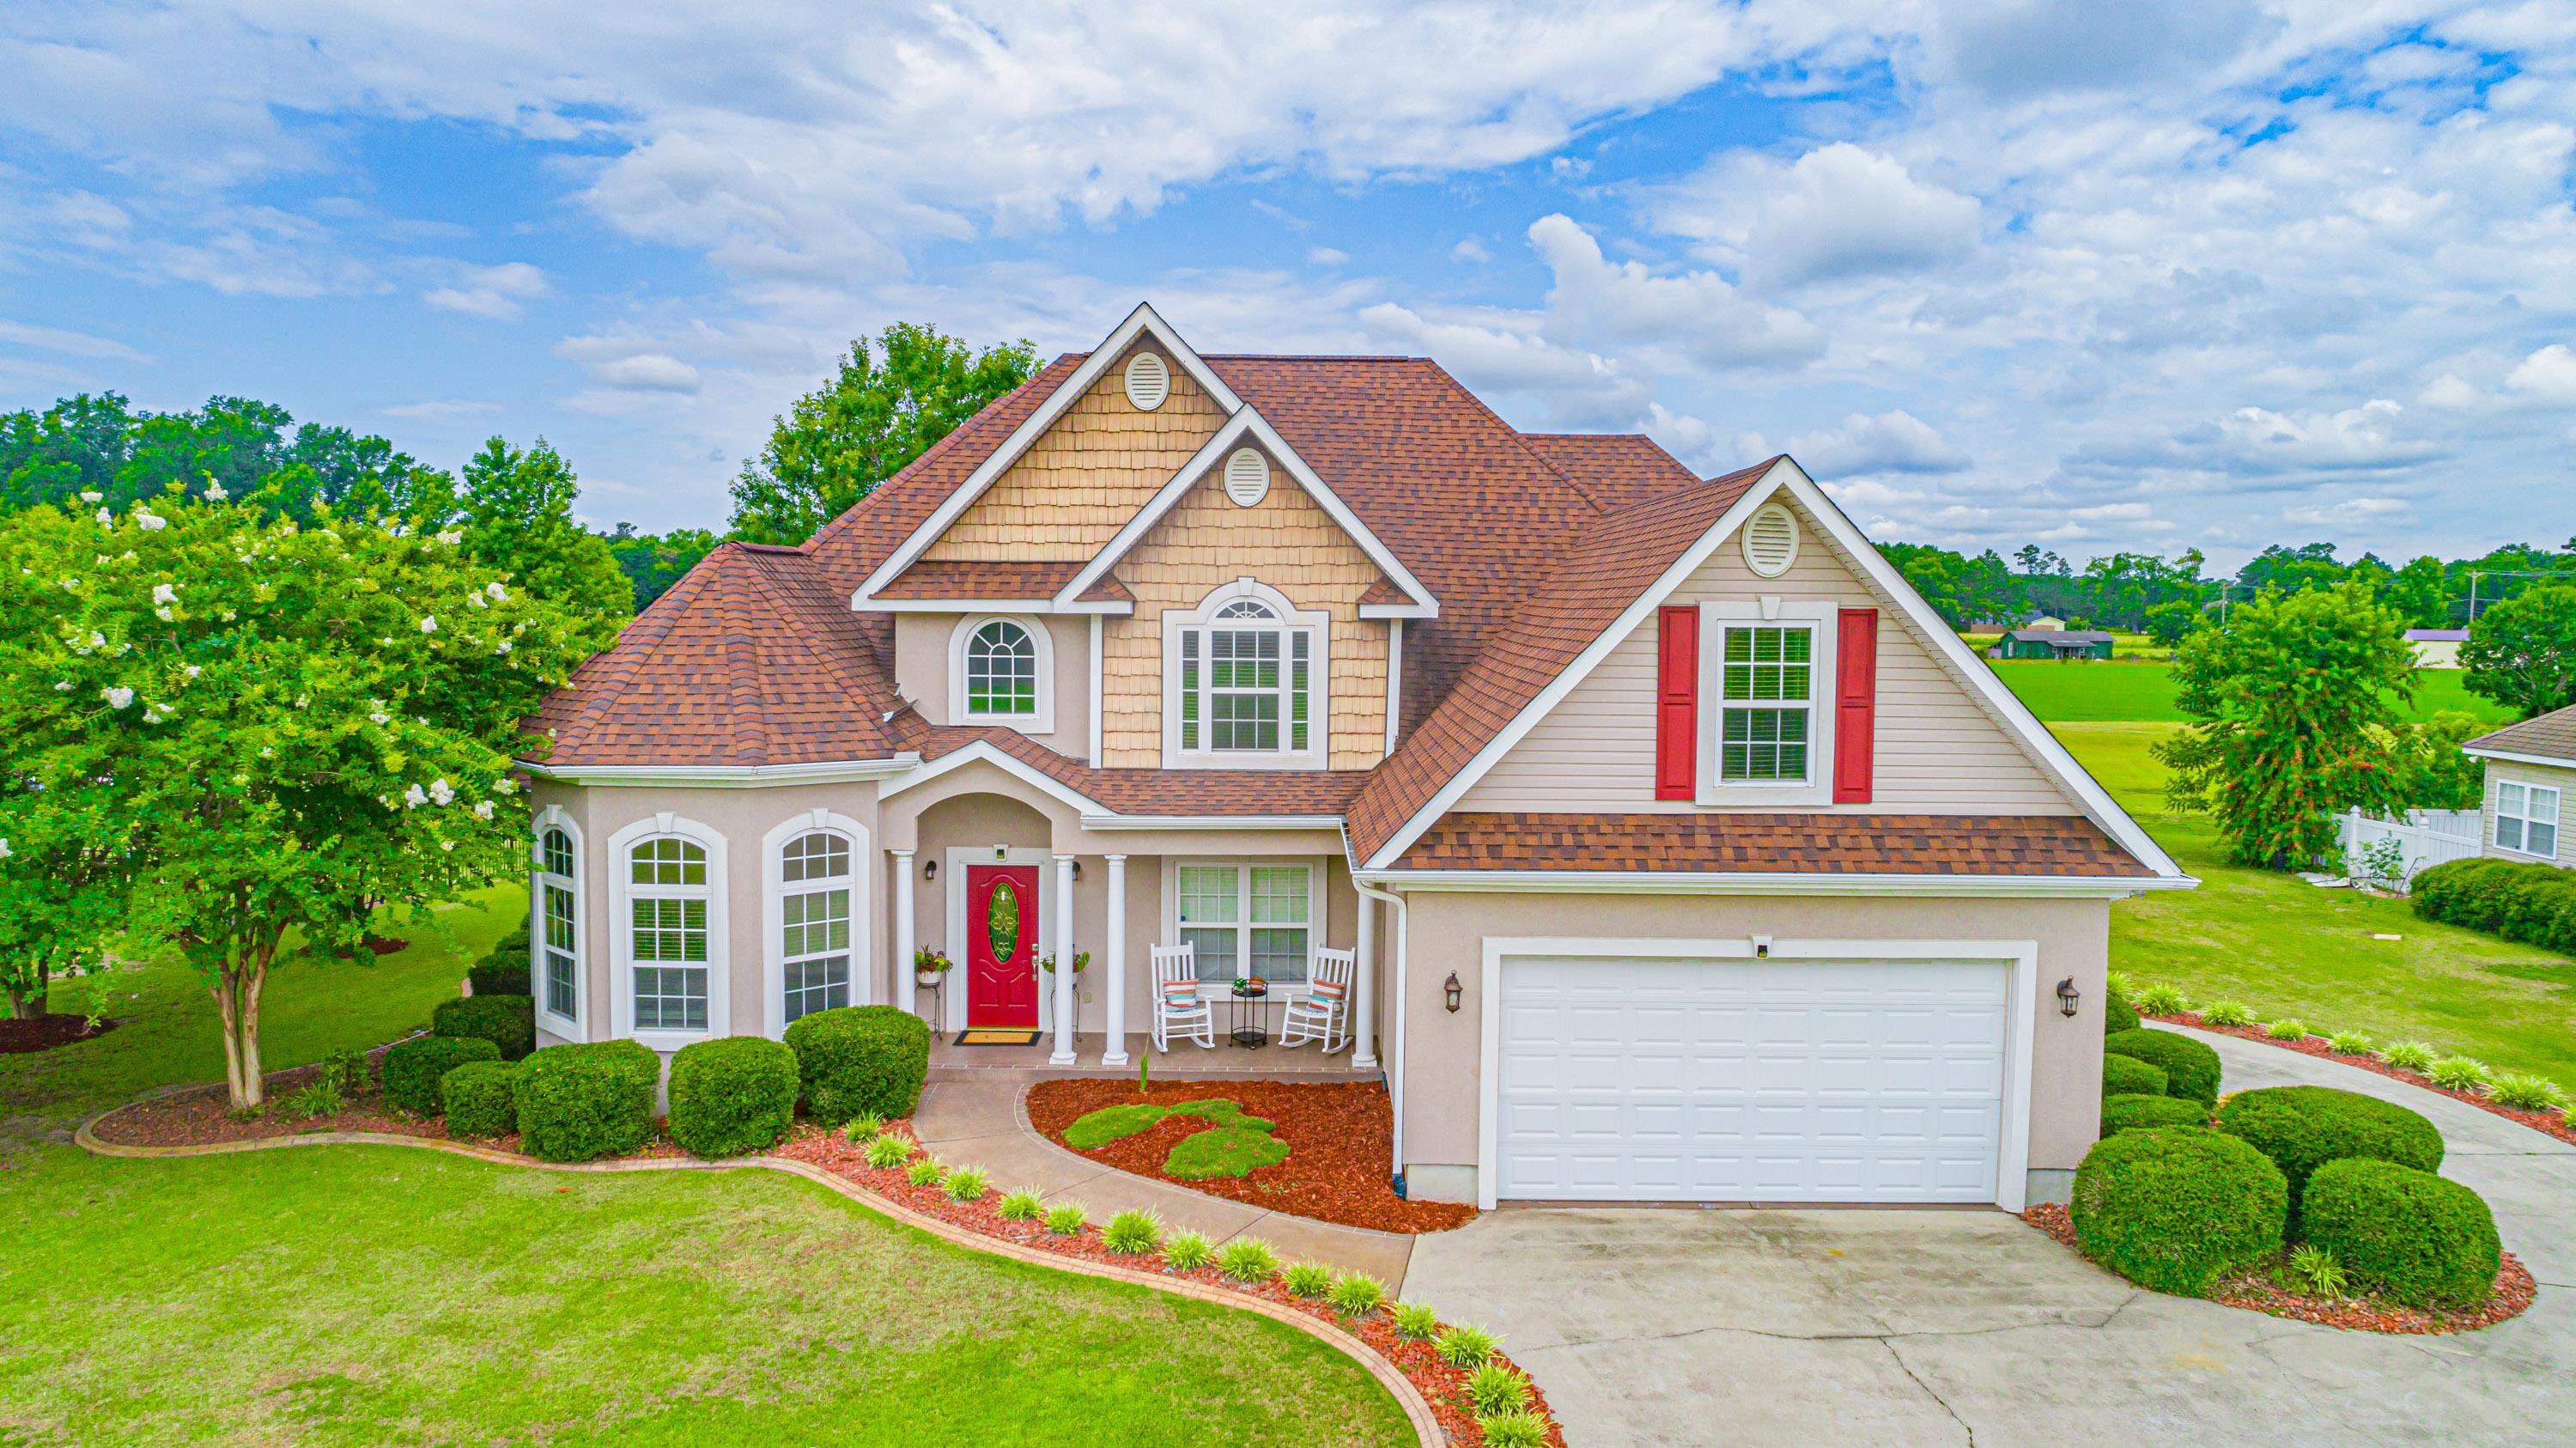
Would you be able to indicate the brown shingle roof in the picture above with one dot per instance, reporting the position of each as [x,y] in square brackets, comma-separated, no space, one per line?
[1159,791]
[1839,844]
[1608,568]
[2551,736]
[974,579]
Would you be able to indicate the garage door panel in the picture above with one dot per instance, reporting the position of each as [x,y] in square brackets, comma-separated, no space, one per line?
[1750,1080]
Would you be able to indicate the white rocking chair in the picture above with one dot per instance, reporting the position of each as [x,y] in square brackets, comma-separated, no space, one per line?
[1323,1013]
[1174,966]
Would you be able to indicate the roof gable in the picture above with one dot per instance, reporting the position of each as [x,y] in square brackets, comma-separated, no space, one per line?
[2549,737]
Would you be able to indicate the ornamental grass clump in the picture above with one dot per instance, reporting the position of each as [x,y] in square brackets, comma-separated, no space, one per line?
[1497,1389]
[1020,1206]
[1306,1279]
[1247,1260]
[1188,1252]
[2528,1093]
[1132,1234]
[2459,1073]
[2162,1000]
[926,1171]
[2314,1271]
[2409,1056]
[1415,1322]
[2290,1030]
[889,1151]
[2226,1013]
[1067,1220]
[1519,1428]
[1357,1295]
[2351,1043]
[1464,1347]
[863,1127]
[968,1184]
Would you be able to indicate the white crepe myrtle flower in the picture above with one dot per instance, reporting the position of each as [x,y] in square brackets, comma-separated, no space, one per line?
[482,809]
[414,797]
[505,786]
[267,753]
[503,647]
[5,851]
[192,670]
[62,686]
[441,791]
[215,493]
[150,521]
[164,614]
[152,714]
[118,697]
[447,844]
[228,615]
[93,497]
[382,719]
[496,592]
[475,600]
[165,593]
[452,537]
[106,519]
[429,625]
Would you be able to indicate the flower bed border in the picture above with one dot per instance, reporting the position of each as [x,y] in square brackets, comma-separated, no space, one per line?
[1430,1392]
[2558,1126]
[2514,1290]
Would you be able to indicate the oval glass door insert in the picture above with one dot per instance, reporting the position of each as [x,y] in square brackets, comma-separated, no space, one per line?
[1002,922]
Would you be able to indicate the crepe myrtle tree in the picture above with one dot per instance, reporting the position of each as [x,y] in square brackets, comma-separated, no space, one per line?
[285,718]
[63,882]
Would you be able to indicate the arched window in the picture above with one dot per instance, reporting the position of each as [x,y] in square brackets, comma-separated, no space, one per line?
[1245,685]
[667,898]
[814,918]
[1001,672]
[557,966]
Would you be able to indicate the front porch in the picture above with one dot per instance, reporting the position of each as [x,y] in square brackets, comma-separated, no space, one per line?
[1186,1061]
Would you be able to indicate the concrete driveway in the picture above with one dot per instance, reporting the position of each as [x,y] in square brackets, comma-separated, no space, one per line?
[1861,1326]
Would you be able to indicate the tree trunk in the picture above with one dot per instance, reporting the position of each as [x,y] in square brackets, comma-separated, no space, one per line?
[237,1002]
[29,1004]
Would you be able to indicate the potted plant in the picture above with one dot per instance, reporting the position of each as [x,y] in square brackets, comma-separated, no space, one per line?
[1081,962]
[929,965]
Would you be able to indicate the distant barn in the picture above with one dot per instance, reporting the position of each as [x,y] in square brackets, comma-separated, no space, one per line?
[2052,643]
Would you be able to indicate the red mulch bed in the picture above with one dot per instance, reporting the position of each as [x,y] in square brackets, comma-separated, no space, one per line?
[374,945]
[2255,1291]
[48,1031]
[2547,1123]
[1339,1134]
[1443,1386]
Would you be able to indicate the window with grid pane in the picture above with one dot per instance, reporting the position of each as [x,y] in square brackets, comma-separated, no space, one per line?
[1246,920]
[667,918]
[815,923]
[1001,672]
[1247,683]
[1766,690]
[558,962]
[2526,818]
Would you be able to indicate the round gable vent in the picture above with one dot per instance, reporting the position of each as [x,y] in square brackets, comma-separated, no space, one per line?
[1771,541]
[1247,476]
[1149,380]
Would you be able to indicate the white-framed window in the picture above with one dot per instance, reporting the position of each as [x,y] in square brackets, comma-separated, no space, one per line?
[558,957]
[669,948]
[1246,681]
[2526,818]
[1259,917]
[1766,679]
[814,923]
[1001,671]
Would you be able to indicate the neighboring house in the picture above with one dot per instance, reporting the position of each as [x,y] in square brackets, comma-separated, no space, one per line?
[2044,621]
[2436,648]
[2531,772]
[2049,643]
[1685,853]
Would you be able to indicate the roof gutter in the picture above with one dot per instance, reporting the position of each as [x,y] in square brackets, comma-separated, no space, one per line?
[1773,882]
[2510,757]
[708,776]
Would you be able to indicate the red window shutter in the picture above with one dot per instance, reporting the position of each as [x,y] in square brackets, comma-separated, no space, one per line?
[1855,705]
[1676,702]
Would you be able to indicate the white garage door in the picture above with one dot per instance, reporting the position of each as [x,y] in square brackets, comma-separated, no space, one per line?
[1749,1080]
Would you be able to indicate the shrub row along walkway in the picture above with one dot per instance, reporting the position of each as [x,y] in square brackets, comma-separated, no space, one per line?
[985,1122]
[1931,1326]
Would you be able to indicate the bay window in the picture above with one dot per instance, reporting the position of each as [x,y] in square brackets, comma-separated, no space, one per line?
[667,947]
[814,924]
[557,963]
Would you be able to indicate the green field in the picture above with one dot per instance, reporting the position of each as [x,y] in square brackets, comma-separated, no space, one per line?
[2099,692]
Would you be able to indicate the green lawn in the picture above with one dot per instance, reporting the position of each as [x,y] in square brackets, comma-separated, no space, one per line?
[369,1295]
[2097,691]
[2287,948]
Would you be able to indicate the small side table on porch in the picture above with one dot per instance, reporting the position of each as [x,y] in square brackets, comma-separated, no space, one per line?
[1247,1026]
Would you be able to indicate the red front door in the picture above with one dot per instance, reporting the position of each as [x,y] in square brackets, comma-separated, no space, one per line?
[1001,945]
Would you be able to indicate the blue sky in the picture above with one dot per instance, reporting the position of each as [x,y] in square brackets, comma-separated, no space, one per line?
[2153,276]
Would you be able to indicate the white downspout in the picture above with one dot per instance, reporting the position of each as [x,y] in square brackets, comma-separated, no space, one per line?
[1395,1044]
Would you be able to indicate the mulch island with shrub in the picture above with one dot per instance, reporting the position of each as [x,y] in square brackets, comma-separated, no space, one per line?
[1338,1137]
[43,1033]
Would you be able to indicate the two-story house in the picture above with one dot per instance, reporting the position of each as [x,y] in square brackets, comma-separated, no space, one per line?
[1685,854]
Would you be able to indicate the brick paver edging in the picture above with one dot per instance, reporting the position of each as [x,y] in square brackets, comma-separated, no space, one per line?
[1417,1409]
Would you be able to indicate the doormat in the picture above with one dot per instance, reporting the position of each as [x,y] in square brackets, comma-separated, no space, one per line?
[995,1036]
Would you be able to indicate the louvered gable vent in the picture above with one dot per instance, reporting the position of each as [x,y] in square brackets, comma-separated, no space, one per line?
[1149,381]
[1247,476]
[1771,541]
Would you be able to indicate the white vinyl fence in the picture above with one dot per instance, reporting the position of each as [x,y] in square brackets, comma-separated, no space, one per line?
[2423,839]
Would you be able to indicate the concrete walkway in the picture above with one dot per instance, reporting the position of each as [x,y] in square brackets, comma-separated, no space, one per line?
[983,1122]
[1859,1326]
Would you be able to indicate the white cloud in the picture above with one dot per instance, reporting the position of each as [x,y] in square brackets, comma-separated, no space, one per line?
[2017,48]
[74,344]
[629,364]
[1838,211]
[2345,512]
[1469,249]
[2548,375]
[1327,256]
[1692,315]
[1891,442]
[440,409]
[495,293]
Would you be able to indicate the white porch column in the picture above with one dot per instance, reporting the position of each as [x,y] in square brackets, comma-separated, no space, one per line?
[1063,962]
[904,990]
[1364,989]
[1115,949]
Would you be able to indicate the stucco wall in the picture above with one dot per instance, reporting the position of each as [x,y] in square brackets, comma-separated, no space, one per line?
[2563,780]
[1447,931]
[926,652]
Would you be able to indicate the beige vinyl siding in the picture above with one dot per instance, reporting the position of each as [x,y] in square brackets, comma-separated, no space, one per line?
[1938,750]
[1081,481]
[1285,541]
[2564,780]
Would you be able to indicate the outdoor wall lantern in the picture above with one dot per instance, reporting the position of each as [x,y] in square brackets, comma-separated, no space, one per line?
[1451,990]
[930,869]
[2068,996]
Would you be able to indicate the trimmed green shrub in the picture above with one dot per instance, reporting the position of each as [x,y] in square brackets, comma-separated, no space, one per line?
[580,1102]
[860,1058]
[2129,1076]
[2409,1235]
[2128,1113]
[2118,1015]
[2301,1128]
[2179,1207]
[503,970]
[481,1098]
[2190,1067]
[733,1096]
[413,1068]
[507,1021]
[2532,903]
[1227,1151]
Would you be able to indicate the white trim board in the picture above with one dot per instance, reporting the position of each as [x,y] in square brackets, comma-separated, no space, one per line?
[985,751]
[757,776]
[2020,957]
[1142,322]
[1248,423]
[1778,882]
[2503,756]
[1785,475]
